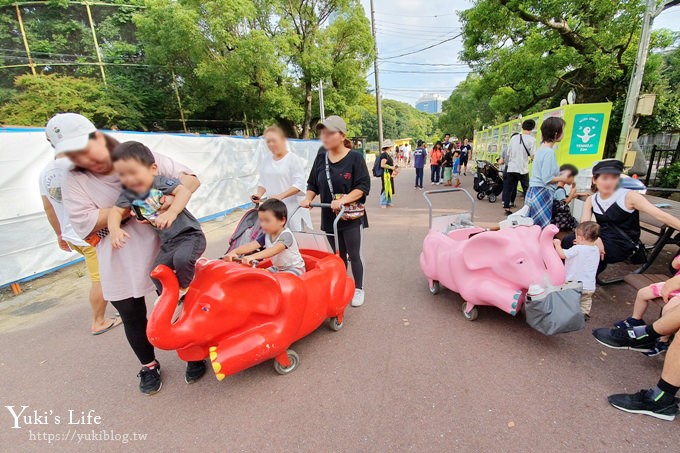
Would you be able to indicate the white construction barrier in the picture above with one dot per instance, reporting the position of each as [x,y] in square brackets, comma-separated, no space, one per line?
[226,166]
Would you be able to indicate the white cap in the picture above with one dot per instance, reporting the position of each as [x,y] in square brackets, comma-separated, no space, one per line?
[69,132]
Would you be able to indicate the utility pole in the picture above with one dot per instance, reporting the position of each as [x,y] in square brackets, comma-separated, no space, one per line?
[322,107]
[378,97]
[638,72]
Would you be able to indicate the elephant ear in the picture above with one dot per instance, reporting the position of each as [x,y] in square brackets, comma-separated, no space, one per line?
[259,289]
[483,250]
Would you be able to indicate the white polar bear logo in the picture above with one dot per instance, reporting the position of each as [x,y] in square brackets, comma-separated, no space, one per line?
[586,135]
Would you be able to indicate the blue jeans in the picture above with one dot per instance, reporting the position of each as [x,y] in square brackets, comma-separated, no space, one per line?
[384,201]
[419,177]
[434,176]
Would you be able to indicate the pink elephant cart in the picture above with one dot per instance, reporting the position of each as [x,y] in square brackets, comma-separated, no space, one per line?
[492,268]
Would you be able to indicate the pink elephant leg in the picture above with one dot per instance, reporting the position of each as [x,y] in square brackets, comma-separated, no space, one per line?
[507,299]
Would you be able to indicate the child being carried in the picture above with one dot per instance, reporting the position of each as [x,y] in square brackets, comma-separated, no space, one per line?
[278,241]
[182,240]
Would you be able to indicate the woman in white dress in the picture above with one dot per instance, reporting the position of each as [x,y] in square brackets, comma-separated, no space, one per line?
[283,176]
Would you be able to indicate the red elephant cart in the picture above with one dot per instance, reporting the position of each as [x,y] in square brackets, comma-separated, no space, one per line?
[238,316]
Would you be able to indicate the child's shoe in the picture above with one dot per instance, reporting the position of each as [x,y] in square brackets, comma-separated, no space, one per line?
[194,371]
[629,322]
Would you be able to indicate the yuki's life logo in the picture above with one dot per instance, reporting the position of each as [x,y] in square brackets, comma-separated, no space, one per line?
[587,133]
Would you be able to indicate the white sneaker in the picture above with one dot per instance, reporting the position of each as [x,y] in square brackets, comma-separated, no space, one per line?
[358,299]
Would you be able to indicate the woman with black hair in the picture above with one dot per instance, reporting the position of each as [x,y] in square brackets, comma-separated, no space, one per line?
[545,173]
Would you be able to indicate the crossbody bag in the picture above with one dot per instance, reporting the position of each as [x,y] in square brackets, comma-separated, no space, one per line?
[353,210]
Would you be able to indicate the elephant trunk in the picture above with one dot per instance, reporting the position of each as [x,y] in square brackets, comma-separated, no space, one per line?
[160,330]
[553,263]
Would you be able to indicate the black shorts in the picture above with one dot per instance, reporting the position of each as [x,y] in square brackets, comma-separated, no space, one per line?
[463,160]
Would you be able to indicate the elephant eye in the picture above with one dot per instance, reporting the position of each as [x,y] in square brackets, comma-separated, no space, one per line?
[520,261]
[205,308]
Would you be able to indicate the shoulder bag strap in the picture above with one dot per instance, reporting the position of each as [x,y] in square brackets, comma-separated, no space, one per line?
[328,177]
[615,226]
[524,145]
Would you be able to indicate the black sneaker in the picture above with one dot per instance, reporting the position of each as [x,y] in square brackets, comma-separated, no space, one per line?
[629,322]
[623,339]
[150,379]
[659,348]
[194,372]
[642,403]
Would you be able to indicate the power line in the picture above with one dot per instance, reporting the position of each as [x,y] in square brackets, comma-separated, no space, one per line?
[424,64]
[395,71]
[425,48]
[409,15]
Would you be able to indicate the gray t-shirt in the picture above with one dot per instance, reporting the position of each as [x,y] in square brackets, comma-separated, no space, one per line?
[290,258]
[148,205]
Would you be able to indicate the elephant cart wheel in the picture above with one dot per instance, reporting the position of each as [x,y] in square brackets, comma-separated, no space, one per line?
[435,288]
[472,314]
[294,361]
[480,195]
[335,325]
[492,198]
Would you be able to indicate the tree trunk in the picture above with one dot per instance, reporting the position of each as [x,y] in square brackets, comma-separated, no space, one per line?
[306,125]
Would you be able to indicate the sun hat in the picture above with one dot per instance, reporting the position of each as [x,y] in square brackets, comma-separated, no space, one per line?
[69,132]
[387,144]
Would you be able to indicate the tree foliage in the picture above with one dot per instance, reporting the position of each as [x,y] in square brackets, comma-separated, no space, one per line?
[41,96]
[234,62]
[528,54]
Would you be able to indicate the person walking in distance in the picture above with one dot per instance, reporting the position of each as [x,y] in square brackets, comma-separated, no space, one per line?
[465,155]
[521,150]
[435,161]
[419,158]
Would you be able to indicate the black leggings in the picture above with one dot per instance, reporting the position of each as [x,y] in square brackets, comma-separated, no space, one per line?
[133,313]
[351,246]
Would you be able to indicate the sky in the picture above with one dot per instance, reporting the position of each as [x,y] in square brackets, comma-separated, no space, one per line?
[404,26]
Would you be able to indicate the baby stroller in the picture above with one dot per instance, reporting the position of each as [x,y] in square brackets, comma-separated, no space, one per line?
[488,181]
[247,230]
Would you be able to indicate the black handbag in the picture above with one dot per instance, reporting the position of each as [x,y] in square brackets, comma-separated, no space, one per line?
[561,215]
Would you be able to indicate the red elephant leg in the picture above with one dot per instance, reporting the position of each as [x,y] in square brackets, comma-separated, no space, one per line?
[232,355]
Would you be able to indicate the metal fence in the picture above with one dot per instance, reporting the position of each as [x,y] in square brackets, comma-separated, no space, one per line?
[659,158]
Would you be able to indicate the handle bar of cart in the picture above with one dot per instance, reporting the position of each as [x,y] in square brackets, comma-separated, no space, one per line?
[335,222]
[427,194]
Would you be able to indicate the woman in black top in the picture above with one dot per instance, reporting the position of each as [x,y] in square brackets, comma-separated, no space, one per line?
[349,182]
[617,211]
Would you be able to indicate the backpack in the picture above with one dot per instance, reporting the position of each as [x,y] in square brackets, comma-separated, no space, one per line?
[377,169]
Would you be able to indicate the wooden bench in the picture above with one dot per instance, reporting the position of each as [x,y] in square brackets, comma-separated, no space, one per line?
[639,281]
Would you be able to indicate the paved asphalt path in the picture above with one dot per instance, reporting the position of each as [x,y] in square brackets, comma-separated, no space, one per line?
[407,373]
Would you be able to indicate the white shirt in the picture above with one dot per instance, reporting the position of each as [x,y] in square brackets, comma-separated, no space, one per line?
[581,265]
[518,160]
[51,179]
[407,151]
[277,176]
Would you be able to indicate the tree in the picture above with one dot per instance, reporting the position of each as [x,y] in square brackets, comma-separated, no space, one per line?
[39,97]
[330,41]
[467,109]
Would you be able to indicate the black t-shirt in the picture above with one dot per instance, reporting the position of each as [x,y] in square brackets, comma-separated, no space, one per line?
[465,151]
[348,174]
[389,159]
[448,159]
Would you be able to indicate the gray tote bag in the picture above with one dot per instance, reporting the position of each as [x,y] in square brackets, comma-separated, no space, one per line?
[558,310]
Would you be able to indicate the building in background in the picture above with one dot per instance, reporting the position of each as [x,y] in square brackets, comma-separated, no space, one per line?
[430,103]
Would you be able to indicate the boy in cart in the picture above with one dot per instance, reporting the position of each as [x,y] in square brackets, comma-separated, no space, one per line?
[277,241]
